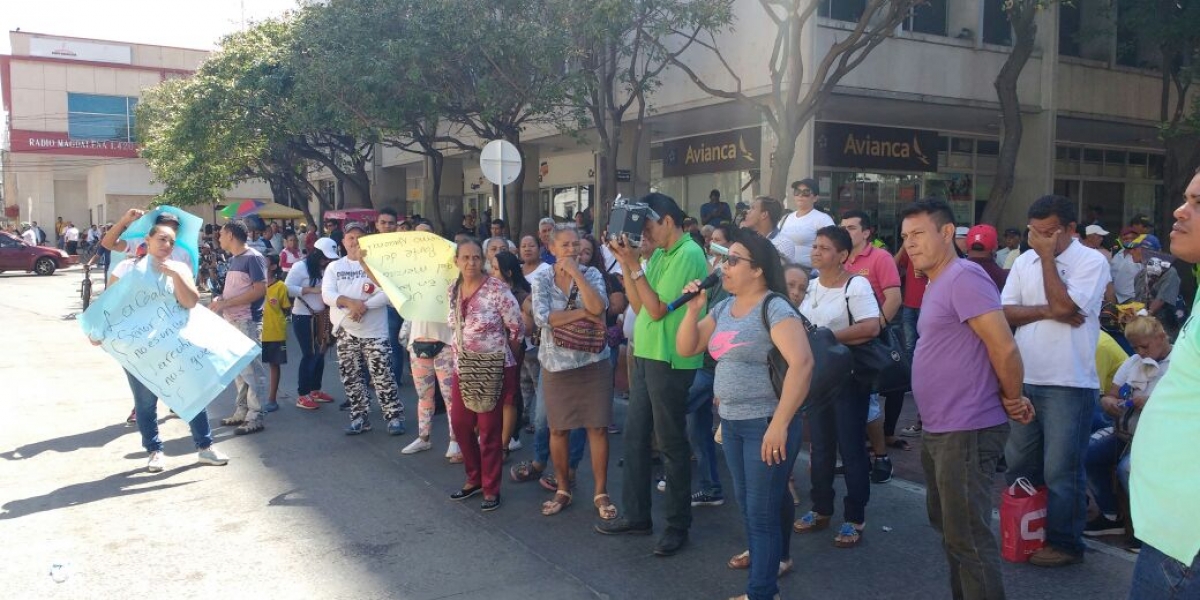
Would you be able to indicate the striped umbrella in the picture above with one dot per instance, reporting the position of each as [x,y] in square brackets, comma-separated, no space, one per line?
[242,208]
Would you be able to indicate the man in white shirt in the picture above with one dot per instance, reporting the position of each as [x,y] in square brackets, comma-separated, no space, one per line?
[1053,298]
[30,236]
[802,224]
[71,237]
[764,213]
[359,315]
[1124,268]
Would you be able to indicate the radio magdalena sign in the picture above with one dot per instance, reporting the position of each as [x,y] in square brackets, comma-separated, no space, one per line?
[883,148]
[736,150]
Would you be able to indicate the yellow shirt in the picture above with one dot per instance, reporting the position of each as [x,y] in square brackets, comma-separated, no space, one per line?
[1109,357]
[274,325]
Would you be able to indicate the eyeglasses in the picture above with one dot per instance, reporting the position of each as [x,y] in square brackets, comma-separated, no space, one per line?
[733,260]
[804,193]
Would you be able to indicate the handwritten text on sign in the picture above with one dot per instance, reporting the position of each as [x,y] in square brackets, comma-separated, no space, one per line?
[414,268]
[186,357]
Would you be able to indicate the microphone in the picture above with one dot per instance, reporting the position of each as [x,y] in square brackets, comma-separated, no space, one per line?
[713,279]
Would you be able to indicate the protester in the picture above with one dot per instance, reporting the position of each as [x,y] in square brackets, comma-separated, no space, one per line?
[274,333]
[532,257]
[160,242]
[485,312]
[1094,238]
[715,212]
[845,304]
[507,268]
[363,347]
[309,317]
[291,254]
[71,238]
[1012,246]
[967,377]
[112,238]
[761,432]
[764,213]
[385,222]
[545,226]
[576,381]
[981,246]
[617,303]
[1052,298]
[802,224]
[797,280]
[241,304]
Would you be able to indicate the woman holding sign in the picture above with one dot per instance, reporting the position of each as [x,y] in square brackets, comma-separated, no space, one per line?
[487,330]
[160,242]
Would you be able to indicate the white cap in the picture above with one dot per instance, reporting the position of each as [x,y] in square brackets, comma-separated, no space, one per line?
[961,232]
[328,247]
[1094,230]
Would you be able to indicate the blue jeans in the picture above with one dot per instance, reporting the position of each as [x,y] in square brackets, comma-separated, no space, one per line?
[541,436]
[1106,451]
[145,405]
[1051,450]
[837,427]
[399,354]
[700,432]
[908,326]
[1160,577]
[763,497]
[312,363]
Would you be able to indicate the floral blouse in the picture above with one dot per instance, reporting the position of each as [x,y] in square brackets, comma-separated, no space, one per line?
[547,298]
[492,317]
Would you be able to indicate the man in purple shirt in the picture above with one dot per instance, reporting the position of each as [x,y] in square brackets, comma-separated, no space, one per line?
[967,378]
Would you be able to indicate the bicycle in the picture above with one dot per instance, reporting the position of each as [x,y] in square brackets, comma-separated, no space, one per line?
[85,288]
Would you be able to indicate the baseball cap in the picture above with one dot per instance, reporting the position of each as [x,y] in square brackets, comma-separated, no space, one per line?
[1094,230]
[354,225]
[1148,242]
[328,247]
[961,232]
[982,235]
[1012,231]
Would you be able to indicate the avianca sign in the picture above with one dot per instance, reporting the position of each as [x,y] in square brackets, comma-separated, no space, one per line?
[885,148]
[55,143]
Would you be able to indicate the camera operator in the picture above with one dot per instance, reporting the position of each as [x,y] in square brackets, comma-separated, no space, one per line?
[660,376]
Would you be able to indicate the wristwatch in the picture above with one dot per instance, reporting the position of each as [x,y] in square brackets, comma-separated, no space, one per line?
[638,274]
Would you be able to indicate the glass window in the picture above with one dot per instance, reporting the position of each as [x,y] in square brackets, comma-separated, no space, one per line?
[996,29]
[1069,20]
[1137,166]
[842,10]
[927,17]
[1155,166]
[1093,160]
[104,118]
[987,148]
[1114,163]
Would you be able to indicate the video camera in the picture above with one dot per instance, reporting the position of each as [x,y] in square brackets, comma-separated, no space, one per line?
[628,219]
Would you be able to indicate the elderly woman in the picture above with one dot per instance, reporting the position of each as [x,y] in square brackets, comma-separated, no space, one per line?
[1109,447]
[761,430]
[485,310]
[569,301]
[846,305]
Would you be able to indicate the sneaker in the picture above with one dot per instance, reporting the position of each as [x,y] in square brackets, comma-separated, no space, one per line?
[881,469]
[1049,556]
[515,445]
[131,420]
[705,499]
[344,406]
[395,427]
[1103,525]
[417,445]
[249,426]
[271,407]
[671,541]
[321,397]
[453,450]
[912,431]
[307,403]
[357,426]
[661,485]
[156,461]
[212,456]
[623,526]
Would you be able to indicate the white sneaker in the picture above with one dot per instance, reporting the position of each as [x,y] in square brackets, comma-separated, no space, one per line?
[417,445]
[515,445]
[453,450]
[156,462]
[212,456]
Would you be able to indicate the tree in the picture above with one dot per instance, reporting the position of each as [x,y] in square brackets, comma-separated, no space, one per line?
[793,100]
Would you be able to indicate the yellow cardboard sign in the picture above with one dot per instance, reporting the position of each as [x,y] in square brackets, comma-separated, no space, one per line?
[414,268]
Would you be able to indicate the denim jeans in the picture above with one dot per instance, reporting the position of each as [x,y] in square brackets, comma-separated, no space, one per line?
[959,469]
[1051,450]
[700,432]
[145,405]
[1157,576]
[763,497]
[399,354]
[541,436]
[908,327]
[251,383]
[1107,451]
[658,396]
[838,426]
[312,363]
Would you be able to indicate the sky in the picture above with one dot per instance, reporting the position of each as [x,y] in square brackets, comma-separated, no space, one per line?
[185,23]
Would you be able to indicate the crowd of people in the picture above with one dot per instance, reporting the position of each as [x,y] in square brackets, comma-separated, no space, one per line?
[1005,347]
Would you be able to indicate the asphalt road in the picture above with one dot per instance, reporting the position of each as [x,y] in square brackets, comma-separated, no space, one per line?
[303,511]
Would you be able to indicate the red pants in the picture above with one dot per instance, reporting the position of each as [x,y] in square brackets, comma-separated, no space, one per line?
[482,454]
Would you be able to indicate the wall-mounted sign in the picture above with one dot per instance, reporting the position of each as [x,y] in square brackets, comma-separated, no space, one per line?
[80,50]
[624,175]
[866,147]
[51,142]
[736,150]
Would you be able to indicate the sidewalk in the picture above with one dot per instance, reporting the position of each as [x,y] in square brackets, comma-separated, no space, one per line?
[303,511]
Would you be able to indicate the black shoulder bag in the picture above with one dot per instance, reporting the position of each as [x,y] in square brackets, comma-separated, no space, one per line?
[881,362]
[832,361]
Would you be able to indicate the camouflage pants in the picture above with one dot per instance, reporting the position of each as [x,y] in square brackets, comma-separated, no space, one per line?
[358,357]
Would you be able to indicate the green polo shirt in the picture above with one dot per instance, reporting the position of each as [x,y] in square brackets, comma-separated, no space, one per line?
[667,272]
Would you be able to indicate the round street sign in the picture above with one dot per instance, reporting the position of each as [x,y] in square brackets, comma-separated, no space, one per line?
[500,162]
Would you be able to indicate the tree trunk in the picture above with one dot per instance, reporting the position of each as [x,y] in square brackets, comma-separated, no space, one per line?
[785,151]
[434,208]
[606,188]
[1024,31]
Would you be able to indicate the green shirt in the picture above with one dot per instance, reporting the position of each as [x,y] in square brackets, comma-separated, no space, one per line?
[667,272]
[1162,491]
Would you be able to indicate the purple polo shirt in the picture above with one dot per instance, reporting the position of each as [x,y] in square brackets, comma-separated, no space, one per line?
[954,384]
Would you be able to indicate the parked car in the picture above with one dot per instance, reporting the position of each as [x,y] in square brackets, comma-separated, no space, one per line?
[16,255]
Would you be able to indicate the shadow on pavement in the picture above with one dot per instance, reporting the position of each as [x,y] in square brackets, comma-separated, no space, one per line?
[120,484]
[90,439]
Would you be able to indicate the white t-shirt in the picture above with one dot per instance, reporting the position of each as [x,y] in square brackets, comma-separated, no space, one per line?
[803,232]
[826,307]
[1124,272]
[786,247]
[298,277]
[123,267]
[609,259]
[345,277]
[71,234]
[30,237]
[1142,374]
[177,253]
[1056,353]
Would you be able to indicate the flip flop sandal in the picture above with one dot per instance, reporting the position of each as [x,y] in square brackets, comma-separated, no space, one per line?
[553,507]
[455,460]
[811,522]
[549,481]
[524,471]
[607,510]
[741,561]
[848,536]
[900,444]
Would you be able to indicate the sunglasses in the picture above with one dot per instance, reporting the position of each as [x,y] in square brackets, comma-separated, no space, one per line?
[733,260]
[804,193]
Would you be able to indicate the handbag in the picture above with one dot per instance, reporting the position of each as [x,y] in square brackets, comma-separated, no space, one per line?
[322,327]
[427,349]
[1022,520]
[480,374]
[881,362]
[584,335]
[832,360]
